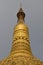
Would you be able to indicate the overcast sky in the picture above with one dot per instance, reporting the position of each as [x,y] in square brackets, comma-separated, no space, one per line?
[34,19]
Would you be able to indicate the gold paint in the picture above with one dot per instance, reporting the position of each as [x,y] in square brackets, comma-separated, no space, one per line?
[21,53]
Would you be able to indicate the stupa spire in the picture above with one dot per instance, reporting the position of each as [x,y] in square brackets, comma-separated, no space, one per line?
[21,42]
[21,53]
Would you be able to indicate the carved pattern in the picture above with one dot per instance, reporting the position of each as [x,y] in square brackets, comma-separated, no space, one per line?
[30,60]
[20,30]
[20,37]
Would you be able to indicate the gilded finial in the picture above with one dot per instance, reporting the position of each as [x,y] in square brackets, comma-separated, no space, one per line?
[21,14]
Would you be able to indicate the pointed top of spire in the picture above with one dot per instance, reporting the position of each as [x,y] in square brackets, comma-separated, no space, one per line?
[20,5]
[21,13]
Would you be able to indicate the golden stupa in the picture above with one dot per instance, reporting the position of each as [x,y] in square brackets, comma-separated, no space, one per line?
[21,53]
